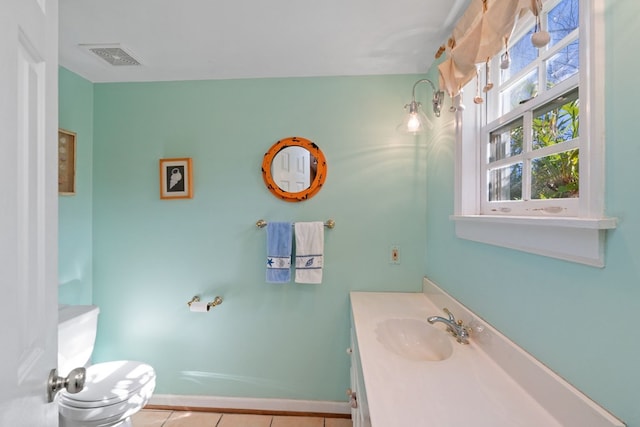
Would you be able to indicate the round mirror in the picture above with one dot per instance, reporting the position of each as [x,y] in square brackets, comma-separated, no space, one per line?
[294,169]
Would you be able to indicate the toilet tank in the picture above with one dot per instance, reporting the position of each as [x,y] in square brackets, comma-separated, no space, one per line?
[77,327]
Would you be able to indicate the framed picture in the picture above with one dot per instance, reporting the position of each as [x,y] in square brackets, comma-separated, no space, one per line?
[66,162]
[176,178]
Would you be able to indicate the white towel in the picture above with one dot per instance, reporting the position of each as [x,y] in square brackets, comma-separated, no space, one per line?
[309,251]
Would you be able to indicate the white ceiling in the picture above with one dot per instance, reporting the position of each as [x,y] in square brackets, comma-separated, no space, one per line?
[230,39]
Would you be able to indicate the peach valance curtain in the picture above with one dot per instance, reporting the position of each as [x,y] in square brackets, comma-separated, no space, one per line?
[482,32]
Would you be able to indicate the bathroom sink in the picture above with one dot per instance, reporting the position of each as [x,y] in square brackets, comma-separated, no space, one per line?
[414,339]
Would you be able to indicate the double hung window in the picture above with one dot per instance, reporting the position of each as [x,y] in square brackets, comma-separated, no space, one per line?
[530,158]
[531,141]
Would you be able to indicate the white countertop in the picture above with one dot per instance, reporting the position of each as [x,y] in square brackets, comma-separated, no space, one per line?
[467,389]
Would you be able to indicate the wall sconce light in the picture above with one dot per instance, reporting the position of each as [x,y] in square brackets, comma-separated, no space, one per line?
[417,121]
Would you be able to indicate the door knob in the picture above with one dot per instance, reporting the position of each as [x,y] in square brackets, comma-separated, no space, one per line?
[74,382]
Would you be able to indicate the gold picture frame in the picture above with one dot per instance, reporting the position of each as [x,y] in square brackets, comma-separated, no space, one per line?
[66,162]
[176,178]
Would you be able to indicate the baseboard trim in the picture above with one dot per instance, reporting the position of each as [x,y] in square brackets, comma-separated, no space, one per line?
[246,405]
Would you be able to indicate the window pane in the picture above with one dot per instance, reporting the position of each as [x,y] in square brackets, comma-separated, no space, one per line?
[522,53]
[562,20]
[506,141]
[555,176]
[521,92]
[557,121]
[563,64]
[505,183]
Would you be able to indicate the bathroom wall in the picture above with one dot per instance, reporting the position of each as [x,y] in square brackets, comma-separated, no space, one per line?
[580,321]
[151,256]
[75,212]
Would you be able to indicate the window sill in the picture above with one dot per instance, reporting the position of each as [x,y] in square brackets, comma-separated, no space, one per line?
[578,240]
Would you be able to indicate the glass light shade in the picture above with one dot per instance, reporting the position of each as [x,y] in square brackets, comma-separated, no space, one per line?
[416,121]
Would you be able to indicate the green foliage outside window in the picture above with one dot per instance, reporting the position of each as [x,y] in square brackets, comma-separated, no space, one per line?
[556,176]
[553,176]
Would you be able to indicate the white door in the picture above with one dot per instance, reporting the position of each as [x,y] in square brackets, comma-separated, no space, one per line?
[290,169]
[28,210]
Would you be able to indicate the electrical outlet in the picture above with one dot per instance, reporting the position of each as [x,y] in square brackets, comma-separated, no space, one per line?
[394,255]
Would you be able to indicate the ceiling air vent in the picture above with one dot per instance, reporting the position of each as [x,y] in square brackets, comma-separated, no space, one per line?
[113,54]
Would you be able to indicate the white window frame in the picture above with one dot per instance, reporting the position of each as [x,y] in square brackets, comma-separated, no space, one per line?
[577,238]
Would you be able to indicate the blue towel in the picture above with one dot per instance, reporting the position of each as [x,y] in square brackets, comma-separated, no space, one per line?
[279,242]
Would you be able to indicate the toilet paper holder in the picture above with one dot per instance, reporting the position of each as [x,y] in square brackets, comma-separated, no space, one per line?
[216,301]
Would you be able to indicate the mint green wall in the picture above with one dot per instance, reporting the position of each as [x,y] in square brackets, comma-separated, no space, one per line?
[151,256]
[580,321]
[75,227]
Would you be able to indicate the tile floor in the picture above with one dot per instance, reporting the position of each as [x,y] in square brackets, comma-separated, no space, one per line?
[161,418]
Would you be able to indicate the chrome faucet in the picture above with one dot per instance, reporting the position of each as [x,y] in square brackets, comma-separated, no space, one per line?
[455,328]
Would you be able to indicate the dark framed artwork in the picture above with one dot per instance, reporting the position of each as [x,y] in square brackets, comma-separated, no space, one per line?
[176,178]
[66,162]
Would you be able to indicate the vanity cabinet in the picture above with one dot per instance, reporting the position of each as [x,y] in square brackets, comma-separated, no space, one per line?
[356,394]
[491,382]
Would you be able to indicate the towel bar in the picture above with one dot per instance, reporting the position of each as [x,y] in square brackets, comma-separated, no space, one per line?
[261,223]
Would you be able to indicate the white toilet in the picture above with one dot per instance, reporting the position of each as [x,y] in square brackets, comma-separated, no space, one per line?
[113,391]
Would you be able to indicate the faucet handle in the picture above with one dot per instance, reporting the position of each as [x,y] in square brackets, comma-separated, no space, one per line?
[451,317]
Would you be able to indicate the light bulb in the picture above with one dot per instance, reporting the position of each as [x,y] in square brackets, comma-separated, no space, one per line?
[415,121]
[413,125]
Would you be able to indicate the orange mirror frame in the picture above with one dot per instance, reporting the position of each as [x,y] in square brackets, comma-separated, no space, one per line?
[320,164]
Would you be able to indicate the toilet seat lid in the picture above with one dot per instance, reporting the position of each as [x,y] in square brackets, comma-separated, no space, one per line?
[109,383]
